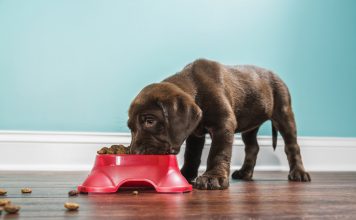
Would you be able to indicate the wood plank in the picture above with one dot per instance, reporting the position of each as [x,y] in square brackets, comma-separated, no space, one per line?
[269,196]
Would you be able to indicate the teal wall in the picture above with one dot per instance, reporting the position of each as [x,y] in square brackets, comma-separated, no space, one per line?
[75,65]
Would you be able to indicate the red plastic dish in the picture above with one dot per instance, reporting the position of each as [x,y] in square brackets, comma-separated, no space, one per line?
[110,172]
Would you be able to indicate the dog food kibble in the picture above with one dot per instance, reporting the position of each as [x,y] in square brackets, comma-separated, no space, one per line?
[103,150]
[2,192]
[26,190]
[114,149]
[135,193]
[12,209]
[120,149]
[4,202]
[71,206]
[110,151]
[73,193]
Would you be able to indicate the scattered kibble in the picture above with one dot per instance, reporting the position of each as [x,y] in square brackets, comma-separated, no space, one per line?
[4,202]
[12,209]
[26,190]
[73,193]
[135,192]
[2,192]
[71,206]
[115,149]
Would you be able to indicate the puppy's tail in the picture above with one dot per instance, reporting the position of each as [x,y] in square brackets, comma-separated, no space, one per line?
[274,136]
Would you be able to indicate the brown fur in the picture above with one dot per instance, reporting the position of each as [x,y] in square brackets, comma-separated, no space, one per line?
[208,97]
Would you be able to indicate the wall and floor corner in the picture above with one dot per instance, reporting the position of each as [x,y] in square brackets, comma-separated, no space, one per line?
[77,150]
[68,71]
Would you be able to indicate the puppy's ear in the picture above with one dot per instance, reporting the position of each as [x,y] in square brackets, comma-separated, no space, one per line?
[182,116]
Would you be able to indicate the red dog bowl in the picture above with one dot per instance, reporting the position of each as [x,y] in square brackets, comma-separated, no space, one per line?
[110,172]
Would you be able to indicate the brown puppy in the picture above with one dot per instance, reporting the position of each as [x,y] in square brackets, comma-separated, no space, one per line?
[208,97]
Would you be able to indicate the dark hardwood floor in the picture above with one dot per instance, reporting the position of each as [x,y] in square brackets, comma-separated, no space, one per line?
[330,195]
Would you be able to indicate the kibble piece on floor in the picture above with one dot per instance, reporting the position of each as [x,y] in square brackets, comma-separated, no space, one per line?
[26,190]
[71,206]
[12,209]
[135,192]
[73,193]
[2,192]
[4,202]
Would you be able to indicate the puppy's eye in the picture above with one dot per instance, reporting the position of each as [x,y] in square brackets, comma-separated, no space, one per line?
[149,122]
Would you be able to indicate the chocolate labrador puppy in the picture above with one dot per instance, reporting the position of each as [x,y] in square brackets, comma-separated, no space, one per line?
[208,97]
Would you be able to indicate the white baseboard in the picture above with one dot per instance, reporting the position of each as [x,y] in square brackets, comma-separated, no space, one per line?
[20,150]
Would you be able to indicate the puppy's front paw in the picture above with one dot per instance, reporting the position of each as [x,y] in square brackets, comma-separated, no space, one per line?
[189,176]
[211,182]
[299,175]
[242,175]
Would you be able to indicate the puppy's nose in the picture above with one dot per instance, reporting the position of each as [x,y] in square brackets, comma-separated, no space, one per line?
[135,150]
[132,148]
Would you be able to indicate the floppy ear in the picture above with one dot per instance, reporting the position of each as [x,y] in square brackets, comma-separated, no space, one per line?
[182,116]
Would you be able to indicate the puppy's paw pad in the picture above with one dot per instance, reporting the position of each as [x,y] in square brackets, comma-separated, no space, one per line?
[299,175]
[242,175]
[211,182]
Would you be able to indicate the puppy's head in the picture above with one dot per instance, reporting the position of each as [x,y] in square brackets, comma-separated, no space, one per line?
[160,118]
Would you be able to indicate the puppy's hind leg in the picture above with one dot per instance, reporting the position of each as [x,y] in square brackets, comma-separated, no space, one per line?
[251,150]
[284,119]
[192,157]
